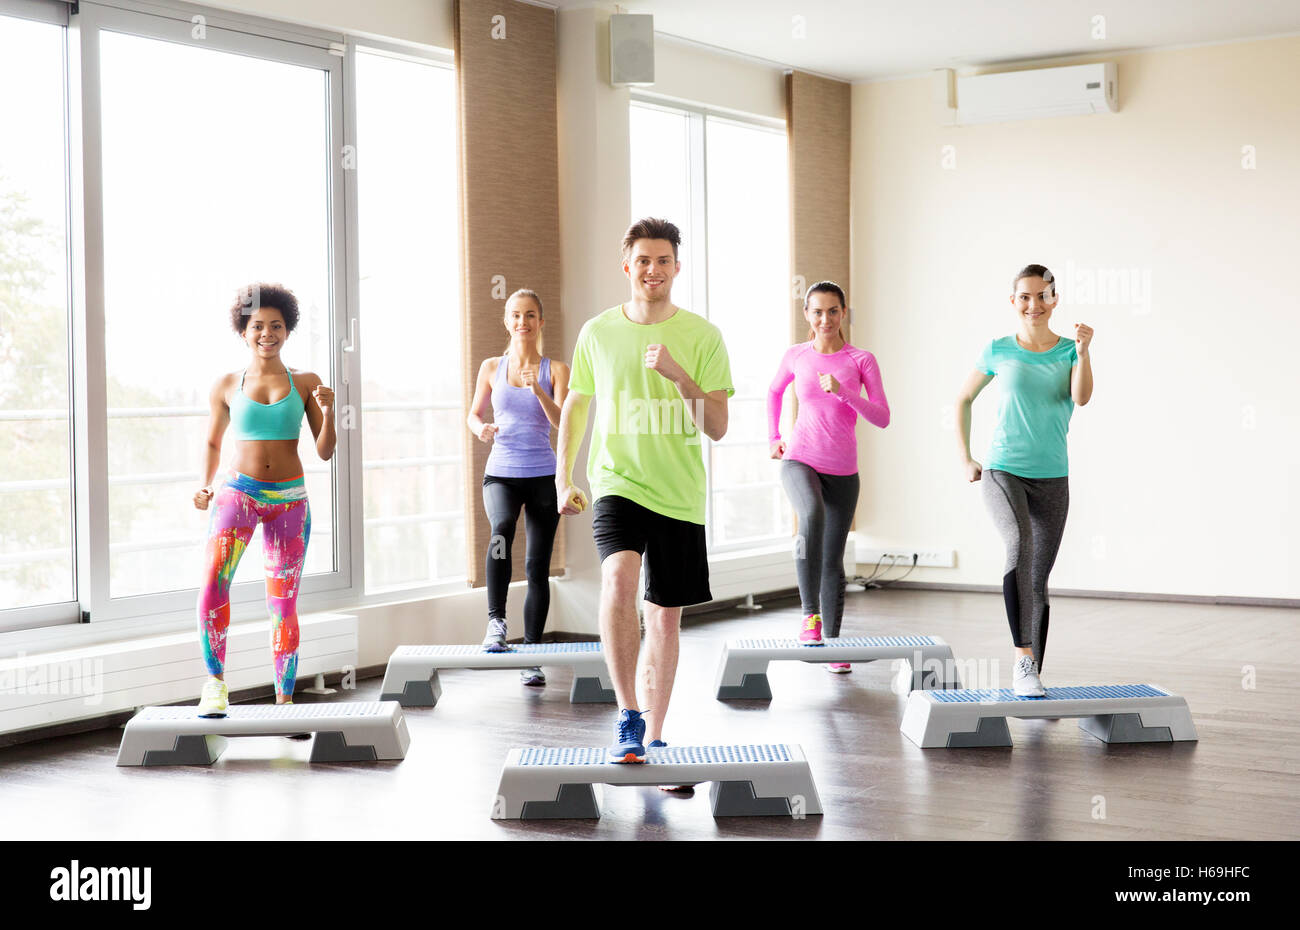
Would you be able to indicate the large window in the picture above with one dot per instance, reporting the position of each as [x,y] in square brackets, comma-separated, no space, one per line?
[206,151]
[410,295]
[723,182]
[36,533]
[215,178]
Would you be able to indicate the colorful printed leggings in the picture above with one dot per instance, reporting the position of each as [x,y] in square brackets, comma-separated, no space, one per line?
[239,504]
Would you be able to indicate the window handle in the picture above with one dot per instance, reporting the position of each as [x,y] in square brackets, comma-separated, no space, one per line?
[349,345]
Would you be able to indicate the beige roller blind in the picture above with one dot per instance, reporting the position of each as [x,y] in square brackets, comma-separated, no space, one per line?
[509,199]
[818,127]
[818,116]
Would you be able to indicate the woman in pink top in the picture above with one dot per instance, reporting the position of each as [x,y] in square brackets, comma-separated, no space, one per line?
[820,461]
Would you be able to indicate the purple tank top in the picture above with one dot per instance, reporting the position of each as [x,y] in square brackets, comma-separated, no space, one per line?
[522,447]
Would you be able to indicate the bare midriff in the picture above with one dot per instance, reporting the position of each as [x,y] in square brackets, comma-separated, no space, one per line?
[268,459]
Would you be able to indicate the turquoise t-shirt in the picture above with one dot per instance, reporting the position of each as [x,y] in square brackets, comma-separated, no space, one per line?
[644,445]
[1034,413]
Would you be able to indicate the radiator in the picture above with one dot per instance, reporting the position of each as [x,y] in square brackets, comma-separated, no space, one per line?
[760,571]
[49,688]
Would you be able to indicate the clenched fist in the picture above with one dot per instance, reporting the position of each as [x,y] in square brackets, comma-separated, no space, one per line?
[324,397]
[1082,338]
[657,358]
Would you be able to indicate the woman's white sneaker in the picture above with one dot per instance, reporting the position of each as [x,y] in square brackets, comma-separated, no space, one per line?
[1025,680]
[214,699]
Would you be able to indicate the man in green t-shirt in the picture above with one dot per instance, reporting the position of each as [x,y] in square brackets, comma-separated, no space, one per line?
[662,378]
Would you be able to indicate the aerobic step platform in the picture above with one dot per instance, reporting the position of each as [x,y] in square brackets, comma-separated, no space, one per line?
[360,731]
[771,780]
[1112,713]
[742,670]
[412,675]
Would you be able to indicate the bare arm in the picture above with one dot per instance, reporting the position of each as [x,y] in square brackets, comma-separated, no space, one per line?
[573,427]
[218,420]
[975,382]
[708,411]
[560,385]
[319,404]
[1081,373]
[482,394]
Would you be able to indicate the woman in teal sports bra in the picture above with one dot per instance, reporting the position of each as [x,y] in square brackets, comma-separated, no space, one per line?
[263,406]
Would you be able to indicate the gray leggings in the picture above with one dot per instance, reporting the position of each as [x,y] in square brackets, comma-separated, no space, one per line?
[825,505]
[1030,515]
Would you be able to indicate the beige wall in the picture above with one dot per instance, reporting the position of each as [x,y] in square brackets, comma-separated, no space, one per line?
[1184,466]
[692,74]
[426,22]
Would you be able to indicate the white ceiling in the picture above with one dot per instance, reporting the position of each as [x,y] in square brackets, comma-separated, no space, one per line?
[871,39]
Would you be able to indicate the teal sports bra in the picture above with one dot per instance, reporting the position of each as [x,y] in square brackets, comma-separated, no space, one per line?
[250,420]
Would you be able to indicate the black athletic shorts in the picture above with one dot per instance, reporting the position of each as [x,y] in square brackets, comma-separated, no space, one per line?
[674,554]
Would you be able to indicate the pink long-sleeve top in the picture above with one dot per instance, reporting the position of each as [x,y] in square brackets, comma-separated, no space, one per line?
[824,438]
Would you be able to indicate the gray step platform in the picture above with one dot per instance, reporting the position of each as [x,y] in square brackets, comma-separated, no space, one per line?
[742,670]
[412,675]
[748,781]
[1112,713]
[359,731]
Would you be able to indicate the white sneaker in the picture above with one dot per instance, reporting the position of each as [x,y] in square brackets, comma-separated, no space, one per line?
[1025,678]
[214,700]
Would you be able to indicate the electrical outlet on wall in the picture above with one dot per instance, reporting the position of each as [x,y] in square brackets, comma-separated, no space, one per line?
[903,556]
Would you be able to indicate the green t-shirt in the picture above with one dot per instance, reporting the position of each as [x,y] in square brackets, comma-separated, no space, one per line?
[1035,409]
[644,446]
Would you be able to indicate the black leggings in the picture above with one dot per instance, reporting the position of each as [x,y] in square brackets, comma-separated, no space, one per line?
[502,498]
[825,506]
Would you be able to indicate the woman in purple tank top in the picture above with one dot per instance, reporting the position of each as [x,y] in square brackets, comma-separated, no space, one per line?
[526,391]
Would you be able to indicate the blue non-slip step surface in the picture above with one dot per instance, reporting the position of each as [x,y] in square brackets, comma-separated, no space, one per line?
[1079,693]
[774,643]
[517,649]
[669,755]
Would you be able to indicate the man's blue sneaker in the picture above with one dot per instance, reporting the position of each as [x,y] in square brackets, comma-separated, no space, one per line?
[655,744]
[628,735]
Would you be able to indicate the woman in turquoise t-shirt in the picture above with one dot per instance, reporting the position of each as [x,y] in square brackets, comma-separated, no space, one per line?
[1026,487]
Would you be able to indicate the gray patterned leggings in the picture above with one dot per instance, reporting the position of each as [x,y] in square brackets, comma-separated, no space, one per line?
[825,505]
[1030,514]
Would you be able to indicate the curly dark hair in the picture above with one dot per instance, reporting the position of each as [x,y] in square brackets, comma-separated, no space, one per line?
[253,297]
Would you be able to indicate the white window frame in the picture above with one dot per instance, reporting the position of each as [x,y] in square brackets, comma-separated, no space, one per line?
[697,252]
[175,24]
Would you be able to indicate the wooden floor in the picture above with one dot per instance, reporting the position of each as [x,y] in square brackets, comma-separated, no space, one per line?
[1237,782]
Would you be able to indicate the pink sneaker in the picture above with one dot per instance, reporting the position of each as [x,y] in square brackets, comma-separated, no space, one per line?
[811,634]
[839,668]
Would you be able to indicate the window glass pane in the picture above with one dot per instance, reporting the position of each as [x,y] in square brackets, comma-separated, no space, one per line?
[412,407]
[749,284]
[661,183]
[215,177]
[36,552]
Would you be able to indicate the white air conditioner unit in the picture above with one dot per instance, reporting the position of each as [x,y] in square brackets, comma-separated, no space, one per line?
[1012,95]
